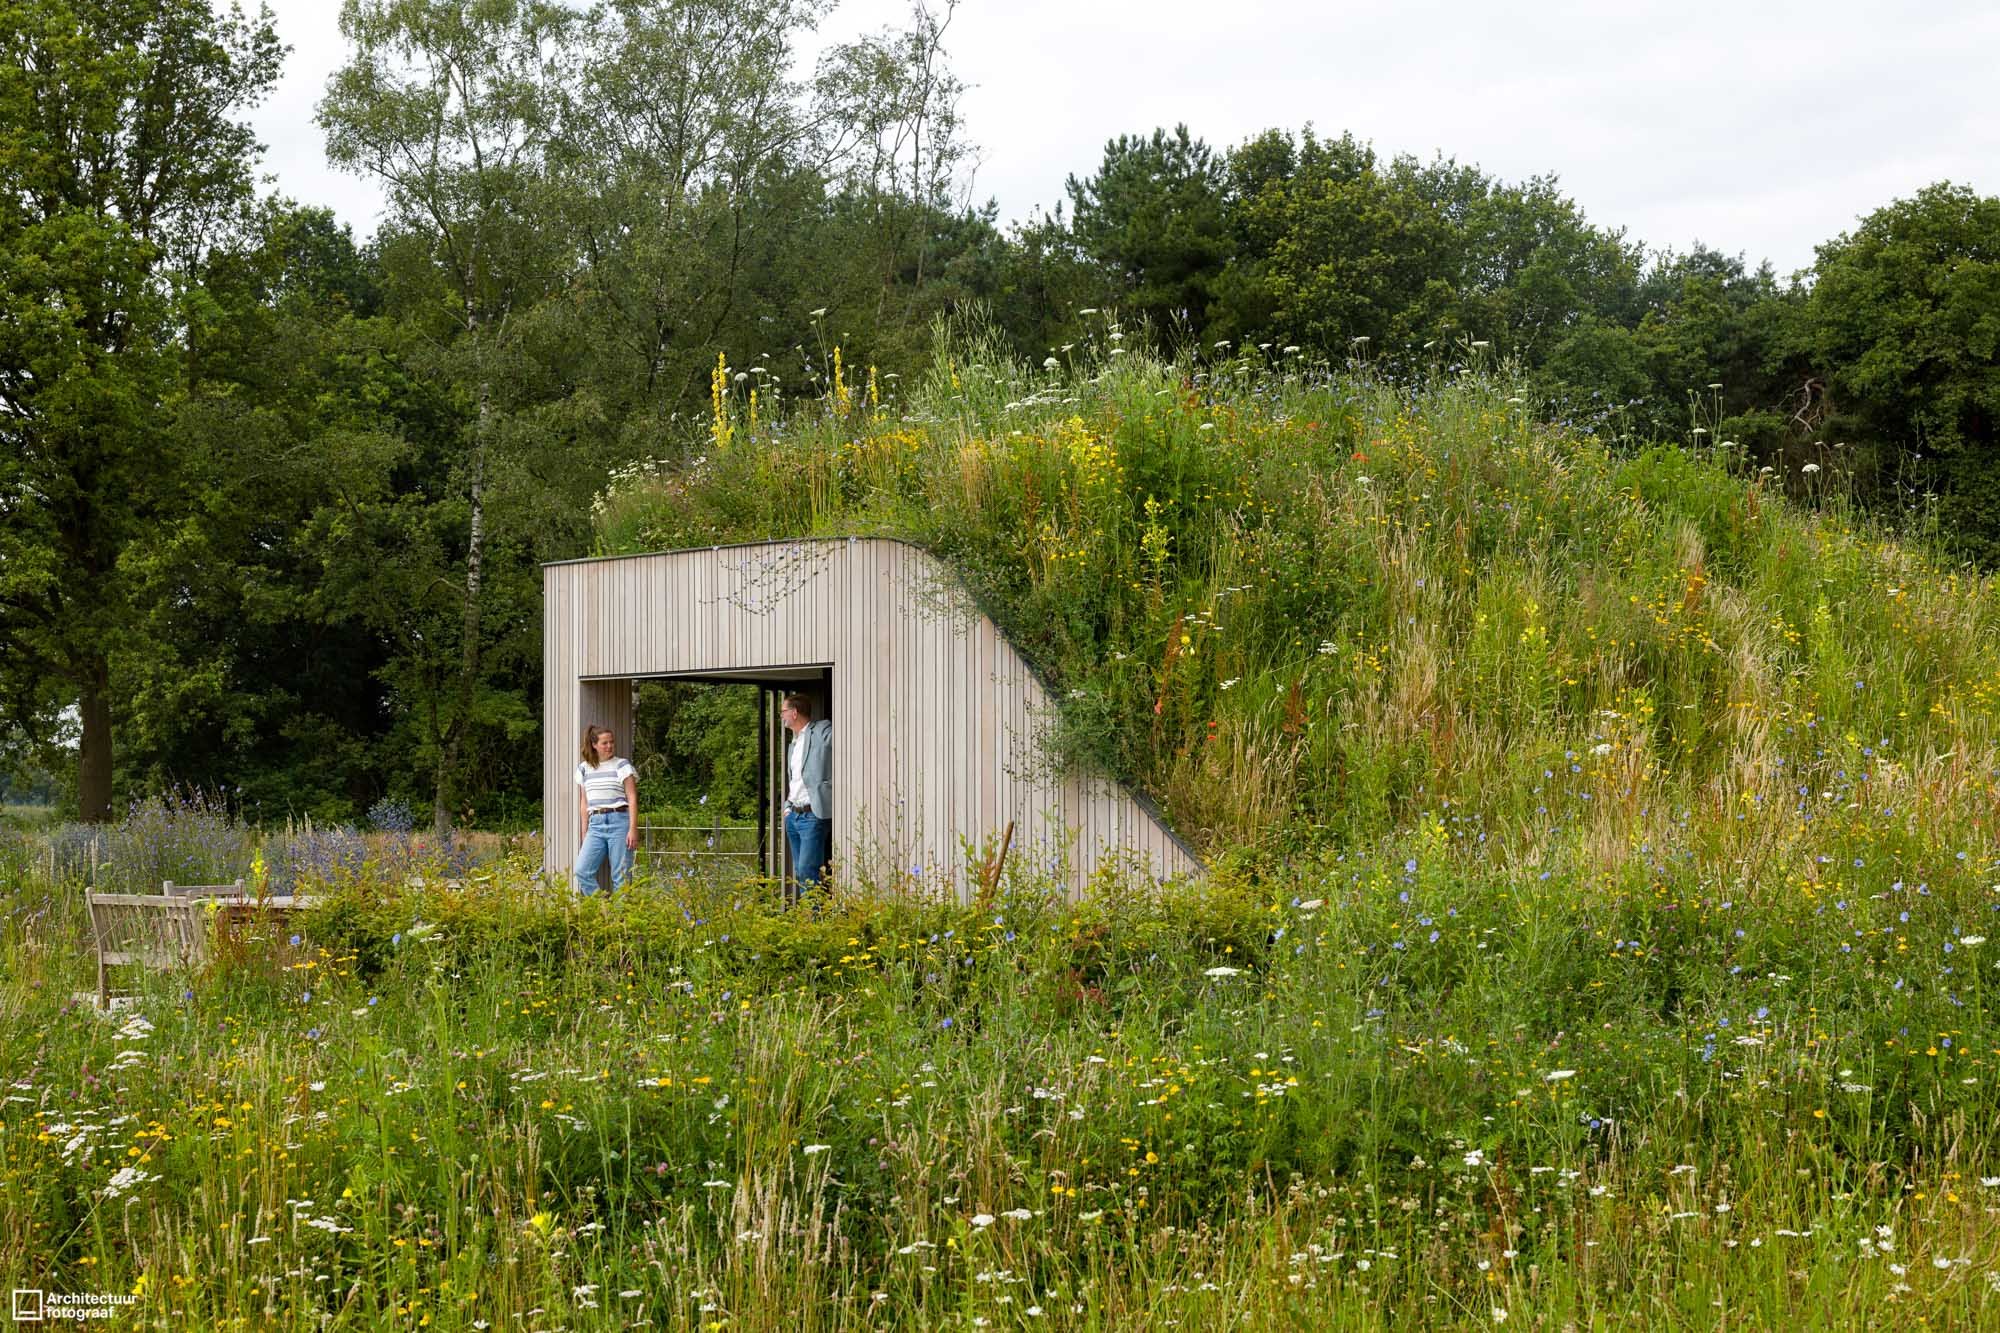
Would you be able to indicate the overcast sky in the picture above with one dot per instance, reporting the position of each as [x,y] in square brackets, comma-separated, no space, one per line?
[1756,127]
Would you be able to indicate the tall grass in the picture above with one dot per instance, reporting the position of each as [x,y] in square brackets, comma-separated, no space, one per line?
[1411,1097]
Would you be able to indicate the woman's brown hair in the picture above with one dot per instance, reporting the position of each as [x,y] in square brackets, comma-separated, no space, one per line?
[590,735]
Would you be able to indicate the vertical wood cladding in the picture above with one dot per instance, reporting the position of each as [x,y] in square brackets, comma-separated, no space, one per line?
[935,715]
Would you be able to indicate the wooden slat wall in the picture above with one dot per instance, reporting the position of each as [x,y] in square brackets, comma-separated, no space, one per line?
[934,712]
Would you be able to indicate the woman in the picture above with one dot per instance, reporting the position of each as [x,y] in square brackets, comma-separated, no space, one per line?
[607,811]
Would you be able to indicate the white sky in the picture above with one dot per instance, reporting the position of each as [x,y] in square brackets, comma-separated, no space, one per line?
[1763,127]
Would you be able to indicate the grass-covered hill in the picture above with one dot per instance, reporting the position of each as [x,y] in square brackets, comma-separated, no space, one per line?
[1303,608]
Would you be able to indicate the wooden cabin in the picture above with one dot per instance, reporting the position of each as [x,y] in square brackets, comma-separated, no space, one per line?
[935,715]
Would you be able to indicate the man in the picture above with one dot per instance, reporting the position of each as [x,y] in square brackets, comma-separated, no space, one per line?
[809,793]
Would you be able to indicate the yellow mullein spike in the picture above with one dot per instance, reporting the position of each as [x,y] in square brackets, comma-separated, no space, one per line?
[720,427]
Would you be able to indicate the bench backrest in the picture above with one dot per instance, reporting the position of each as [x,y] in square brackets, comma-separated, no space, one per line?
[173,890]
[162,931]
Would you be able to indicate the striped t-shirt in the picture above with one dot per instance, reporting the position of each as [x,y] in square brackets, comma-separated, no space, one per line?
[604,784]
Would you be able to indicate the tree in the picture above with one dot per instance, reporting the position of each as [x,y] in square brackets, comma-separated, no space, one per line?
[258,662]
[124,159]
[454,106]
[1903,326]
[1153,217]
[1335,248]
[1533,269]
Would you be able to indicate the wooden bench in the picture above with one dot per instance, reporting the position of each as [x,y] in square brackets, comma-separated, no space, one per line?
[143,930]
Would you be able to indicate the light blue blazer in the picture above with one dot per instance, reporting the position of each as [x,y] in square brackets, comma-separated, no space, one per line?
[816,768]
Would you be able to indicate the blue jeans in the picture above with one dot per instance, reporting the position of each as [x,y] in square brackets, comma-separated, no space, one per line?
[811,841]
[604,838]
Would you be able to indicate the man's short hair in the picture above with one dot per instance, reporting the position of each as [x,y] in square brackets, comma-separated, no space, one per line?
[800,704]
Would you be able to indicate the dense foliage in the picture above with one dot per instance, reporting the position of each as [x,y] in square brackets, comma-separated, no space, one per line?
[1302,607]
[1425,1083]
[275,496]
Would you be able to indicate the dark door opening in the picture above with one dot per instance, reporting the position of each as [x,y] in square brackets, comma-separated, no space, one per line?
[711,758]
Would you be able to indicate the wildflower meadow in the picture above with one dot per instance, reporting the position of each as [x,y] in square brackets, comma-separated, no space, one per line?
[1601,889]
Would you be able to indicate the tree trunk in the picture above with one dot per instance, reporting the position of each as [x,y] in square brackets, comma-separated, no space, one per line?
[93,776]
[468,677]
